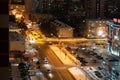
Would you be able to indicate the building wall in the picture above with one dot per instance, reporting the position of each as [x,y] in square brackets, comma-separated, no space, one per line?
[65,32]
[116,41]
[17,46]
[114,37]
[95,8]
[16,41]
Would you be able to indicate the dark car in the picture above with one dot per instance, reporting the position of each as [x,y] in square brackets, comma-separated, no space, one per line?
[94,61]
[21,65]
[99,57]
[48,71]
[80,58]
[83,64]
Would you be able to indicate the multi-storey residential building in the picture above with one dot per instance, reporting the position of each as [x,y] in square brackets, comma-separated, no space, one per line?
[94,8]
[97,28]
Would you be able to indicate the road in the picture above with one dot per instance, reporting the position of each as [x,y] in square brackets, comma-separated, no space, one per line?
[59,70]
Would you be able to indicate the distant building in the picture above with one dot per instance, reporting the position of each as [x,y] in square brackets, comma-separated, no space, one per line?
[102,9]
[94,9]
[97,28]
[35,17]
[38,6]
[112,8]
[31,5]
[61,30]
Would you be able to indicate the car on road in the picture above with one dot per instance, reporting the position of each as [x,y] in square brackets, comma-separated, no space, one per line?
[98,74]
[99,57]
[80,58]
[22,66]
[92,53]
[83,64]
[48,71]
[94,61]
[45,60]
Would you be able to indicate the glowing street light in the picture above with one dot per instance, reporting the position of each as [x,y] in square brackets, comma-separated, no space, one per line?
[100,32]
[14,11]
[31,40]
[103,35]
[30,24]
[18,16]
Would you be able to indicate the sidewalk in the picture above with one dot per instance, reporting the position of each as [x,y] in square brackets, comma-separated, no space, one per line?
[70,56]
[62,56]
[76,72]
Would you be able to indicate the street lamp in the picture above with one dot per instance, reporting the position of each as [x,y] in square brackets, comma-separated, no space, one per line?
[100,32]
[14,11]
[18,16]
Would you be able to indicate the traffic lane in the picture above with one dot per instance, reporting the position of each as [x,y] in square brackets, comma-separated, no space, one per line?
[58,69]
[35,33]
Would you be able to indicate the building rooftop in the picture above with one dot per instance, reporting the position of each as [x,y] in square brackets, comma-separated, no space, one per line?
[60,24]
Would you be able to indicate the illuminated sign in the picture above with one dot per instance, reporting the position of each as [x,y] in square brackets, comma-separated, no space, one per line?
[116,20]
